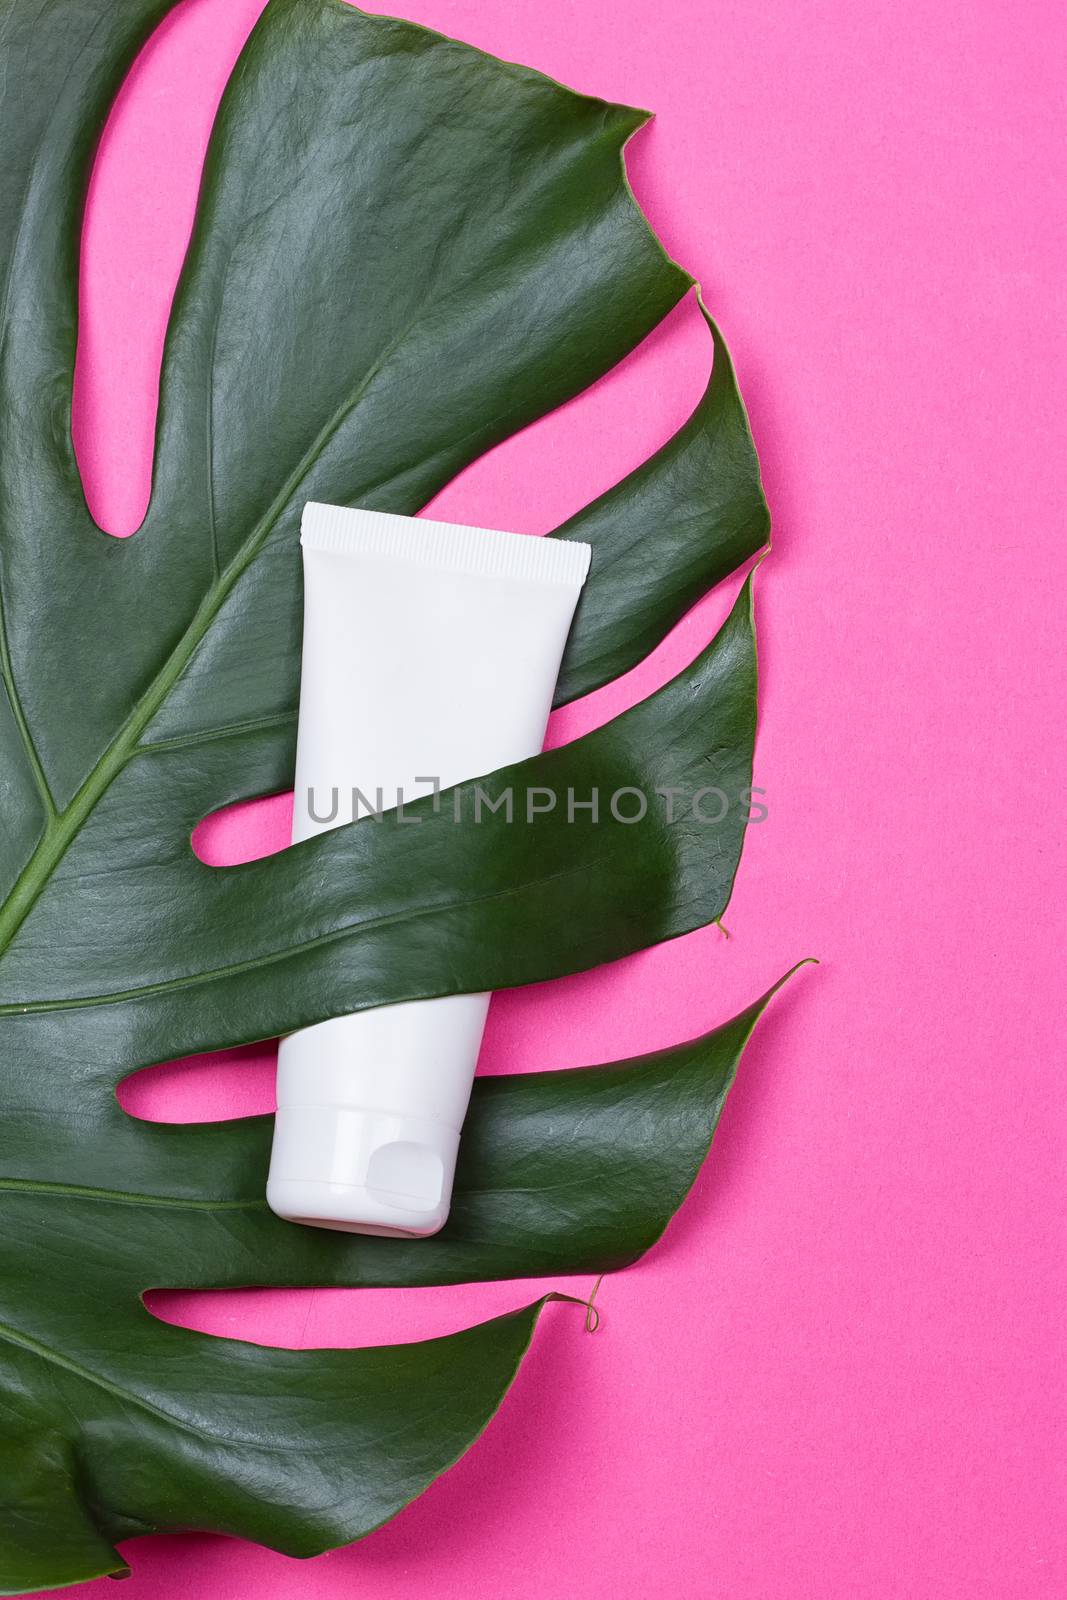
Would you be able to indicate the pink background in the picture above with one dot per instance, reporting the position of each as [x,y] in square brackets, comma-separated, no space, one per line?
[841,1372]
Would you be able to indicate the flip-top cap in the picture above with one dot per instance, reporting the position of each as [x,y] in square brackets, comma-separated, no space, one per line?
[362,1171]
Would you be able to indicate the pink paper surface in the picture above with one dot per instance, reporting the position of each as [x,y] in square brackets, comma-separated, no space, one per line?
[841,1373]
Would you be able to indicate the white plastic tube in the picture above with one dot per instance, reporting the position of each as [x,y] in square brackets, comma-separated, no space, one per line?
[430,656]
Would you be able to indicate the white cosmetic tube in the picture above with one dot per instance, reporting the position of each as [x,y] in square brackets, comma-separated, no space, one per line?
[430,657]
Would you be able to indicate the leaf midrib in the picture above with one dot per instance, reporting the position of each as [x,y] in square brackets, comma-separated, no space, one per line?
[65,825]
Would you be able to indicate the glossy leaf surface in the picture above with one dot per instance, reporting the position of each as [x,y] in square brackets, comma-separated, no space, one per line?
[404,251]
[116,1423]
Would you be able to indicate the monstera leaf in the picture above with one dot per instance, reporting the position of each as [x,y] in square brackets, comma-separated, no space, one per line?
[404,251]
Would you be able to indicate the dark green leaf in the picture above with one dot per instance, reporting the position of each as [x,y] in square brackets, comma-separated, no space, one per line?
[298,1451]
[665,535]
[404,252]
[120,1424]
